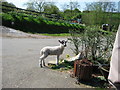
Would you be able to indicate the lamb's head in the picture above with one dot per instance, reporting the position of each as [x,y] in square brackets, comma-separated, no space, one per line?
[63,42]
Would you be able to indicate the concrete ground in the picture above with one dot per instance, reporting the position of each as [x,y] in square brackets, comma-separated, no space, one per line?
[20,65]
[20,62]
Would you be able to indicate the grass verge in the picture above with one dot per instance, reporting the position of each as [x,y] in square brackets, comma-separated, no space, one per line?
[61,34]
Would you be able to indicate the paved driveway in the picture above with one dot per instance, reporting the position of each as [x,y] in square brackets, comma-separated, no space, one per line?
[20,65]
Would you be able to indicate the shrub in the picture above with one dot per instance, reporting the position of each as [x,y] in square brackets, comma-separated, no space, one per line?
[95,44]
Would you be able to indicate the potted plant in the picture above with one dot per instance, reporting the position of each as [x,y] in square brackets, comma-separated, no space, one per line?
[95,45]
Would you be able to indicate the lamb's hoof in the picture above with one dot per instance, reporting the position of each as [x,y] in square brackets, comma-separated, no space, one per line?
[44,65]
[40,65]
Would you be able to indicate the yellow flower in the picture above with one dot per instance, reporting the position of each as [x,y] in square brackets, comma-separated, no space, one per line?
[67,56]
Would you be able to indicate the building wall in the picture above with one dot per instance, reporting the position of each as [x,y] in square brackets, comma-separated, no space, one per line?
[119,6]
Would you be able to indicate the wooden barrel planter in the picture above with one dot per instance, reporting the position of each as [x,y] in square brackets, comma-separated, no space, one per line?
[76,63]
[96,69]
[83,69]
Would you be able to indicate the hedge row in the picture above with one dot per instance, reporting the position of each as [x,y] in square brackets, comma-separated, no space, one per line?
[29,23]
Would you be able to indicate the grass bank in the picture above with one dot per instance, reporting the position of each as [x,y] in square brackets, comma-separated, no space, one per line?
[36,24]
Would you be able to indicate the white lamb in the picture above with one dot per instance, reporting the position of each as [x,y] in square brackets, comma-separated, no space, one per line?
[54,50]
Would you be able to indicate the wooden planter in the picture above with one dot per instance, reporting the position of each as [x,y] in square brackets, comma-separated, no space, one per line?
[83,69]
[76,63]
[96,69]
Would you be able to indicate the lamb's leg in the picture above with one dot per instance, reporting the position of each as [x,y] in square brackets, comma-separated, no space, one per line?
[42,59]
[57,61]
[43,62]
[40,62]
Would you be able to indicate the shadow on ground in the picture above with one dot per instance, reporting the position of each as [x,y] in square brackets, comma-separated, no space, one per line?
[95,81]
[62,66]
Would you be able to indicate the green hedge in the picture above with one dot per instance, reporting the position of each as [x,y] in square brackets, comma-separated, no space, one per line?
[29,23]
[99,18]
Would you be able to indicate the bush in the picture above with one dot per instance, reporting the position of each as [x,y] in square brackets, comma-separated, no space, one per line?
[93,42]
[29,23]
[99,18]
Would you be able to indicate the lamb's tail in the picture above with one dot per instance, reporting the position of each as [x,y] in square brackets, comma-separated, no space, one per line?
[41,53]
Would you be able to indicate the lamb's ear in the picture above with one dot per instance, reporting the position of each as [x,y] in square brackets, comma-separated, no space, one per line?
[59,41]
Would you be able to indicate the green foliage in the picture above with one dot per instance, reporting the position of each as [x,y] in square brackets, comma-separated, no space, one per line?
[61,34]
[8,17]
[75,35]
[7,9]
[51,9]
[99,18]
[95,44]
[8,4]
[96,14]
[71,14]
[63,66]
[30,23]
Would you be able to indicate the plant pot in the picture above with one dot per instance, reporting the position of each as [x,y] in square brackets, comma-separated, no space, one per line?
[76,62]
[83,69]
[96,69]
